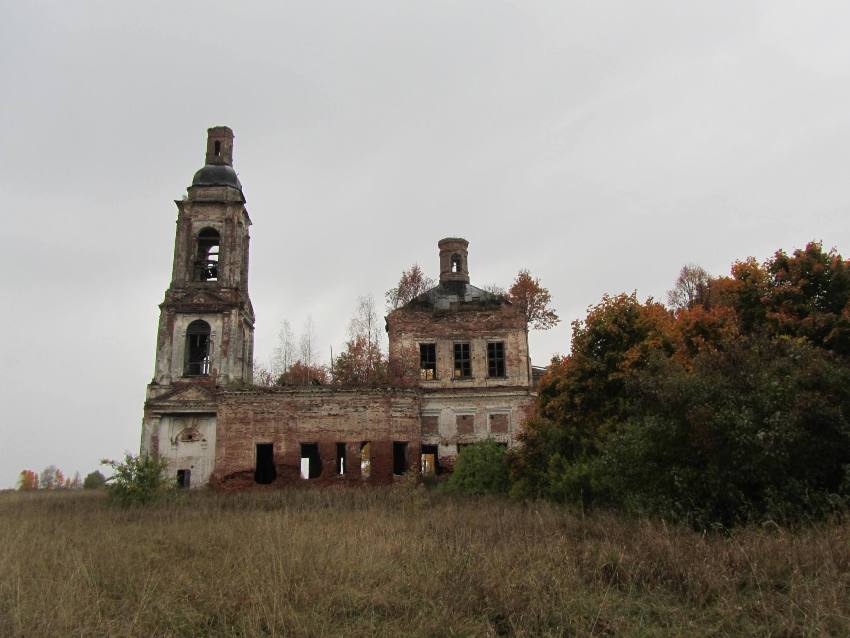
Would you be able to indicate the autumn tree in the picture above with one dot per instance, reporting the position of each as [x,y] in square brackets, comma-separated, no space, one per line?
[690,287]
[363,361]
[533,300]
[299,373]
[50,478]
[730,409]
[27,481]
[413,282]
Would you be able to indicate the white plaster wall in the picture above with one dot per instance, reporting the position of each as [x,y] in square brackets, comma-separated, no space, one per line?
[197,456]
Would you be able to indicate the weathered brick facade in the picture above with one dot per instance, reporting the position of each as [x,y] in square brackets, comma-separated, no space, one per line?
[203,415]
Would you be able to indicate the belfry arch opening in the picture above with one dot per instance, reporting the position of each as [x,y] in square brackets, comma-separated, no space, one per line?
[457,263]
[206,260]
[198,341]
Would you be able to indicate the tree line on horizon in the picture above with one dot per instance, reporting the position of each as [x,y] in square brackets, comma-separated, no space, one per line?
[52,478]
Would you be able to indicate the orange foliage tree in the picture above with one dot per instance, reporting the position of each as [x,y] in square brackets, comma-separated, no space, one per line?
[413,282]
[533,299]
[27,480]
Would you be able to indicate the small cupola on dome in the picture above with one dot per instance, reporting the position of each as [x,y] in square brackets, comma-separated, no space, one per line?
[453,260]
[218,170]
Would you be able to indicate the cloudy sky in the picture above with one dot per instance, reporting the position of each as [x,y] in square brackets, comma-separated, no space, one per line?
[602,145]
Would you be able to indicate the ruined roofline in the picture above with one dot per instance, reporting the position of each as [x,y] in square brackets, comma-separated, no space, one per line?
[316,389]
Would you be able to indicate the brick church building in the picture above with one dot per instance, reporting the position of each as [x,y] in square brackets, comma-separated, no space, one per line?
[203,414]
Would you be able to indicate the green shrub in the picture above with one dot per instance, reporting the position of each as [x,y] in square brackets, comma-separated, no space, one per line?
[94,480]
[481,468]
[138,480]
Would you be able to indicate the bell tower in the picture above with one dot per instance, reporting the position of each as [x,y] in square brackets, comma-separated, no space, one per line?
[206,325]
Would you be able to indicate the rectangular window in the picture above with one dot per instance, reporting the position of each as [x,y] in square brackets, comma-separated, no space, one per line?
[465,423]
[427,361]
[399,457]
[340,458]
[430,463]
[431,424]
[496,359]
[499,423]
[463,361]
[184,478]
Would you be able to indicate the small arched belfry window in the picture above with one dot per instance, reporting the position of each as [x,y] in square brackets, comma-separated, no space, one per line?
[198,348]
[206,262]
[457,263]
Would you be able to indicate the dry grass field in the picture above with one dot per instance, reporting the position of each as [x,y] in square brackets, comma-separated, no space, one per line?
[402,562]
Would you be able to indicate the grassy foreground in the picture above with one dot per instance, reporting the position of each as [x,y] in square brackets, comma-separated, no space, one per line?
[402,562]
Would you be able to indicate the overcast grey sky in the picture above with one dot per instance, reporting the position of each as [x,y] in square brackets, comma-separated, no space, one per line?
[600,144]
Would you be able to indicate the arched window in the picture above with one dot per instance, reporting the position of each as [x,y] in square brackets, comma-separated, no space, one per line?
[457,263]
[198,348]
[206,262]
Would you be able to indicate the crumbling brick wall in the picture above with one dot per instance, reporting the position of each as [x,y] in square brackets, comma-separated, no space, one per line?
[290,417]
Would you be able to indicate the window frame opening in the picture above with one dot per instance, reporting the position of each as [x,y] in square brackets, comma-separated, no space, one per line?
[341,459]
[207,255]
[400,461]
[365,459]
[496,366]
[184,479]
[457,263]
[428,361]
[217,148]
[310,453]
[265,470]
[197,356]
[462,368]
[429,460]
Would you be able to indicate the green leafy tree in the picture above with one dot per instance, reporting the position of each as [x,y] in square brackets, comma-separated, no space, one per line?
[94,481]
[481,468]
[138,480]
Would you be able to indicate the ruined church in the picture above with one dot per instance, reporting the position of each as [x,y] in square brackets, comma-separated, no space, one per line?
[204,416]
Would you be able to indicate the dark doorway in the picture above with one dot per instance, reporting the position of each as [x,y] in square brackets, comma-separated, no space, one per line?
[265,471]
[184,477]
[430,460]
[399,457]
[310,453]
[340,458]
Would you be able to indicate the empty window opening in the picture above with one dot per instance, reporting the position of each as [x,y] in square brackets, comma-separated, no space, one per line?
[217,149]
[461,447]
[198,348]
[265,471]
[496,359]
[184,478]
[340,459]
[399,457]
[430,460]
[463,361]
[311,462]
[206,261]
[457,263]
[365,459]
[428,361]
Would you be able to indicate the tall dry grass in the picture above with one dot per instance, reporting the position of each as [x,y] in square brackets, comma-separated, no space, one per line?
[402,562]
